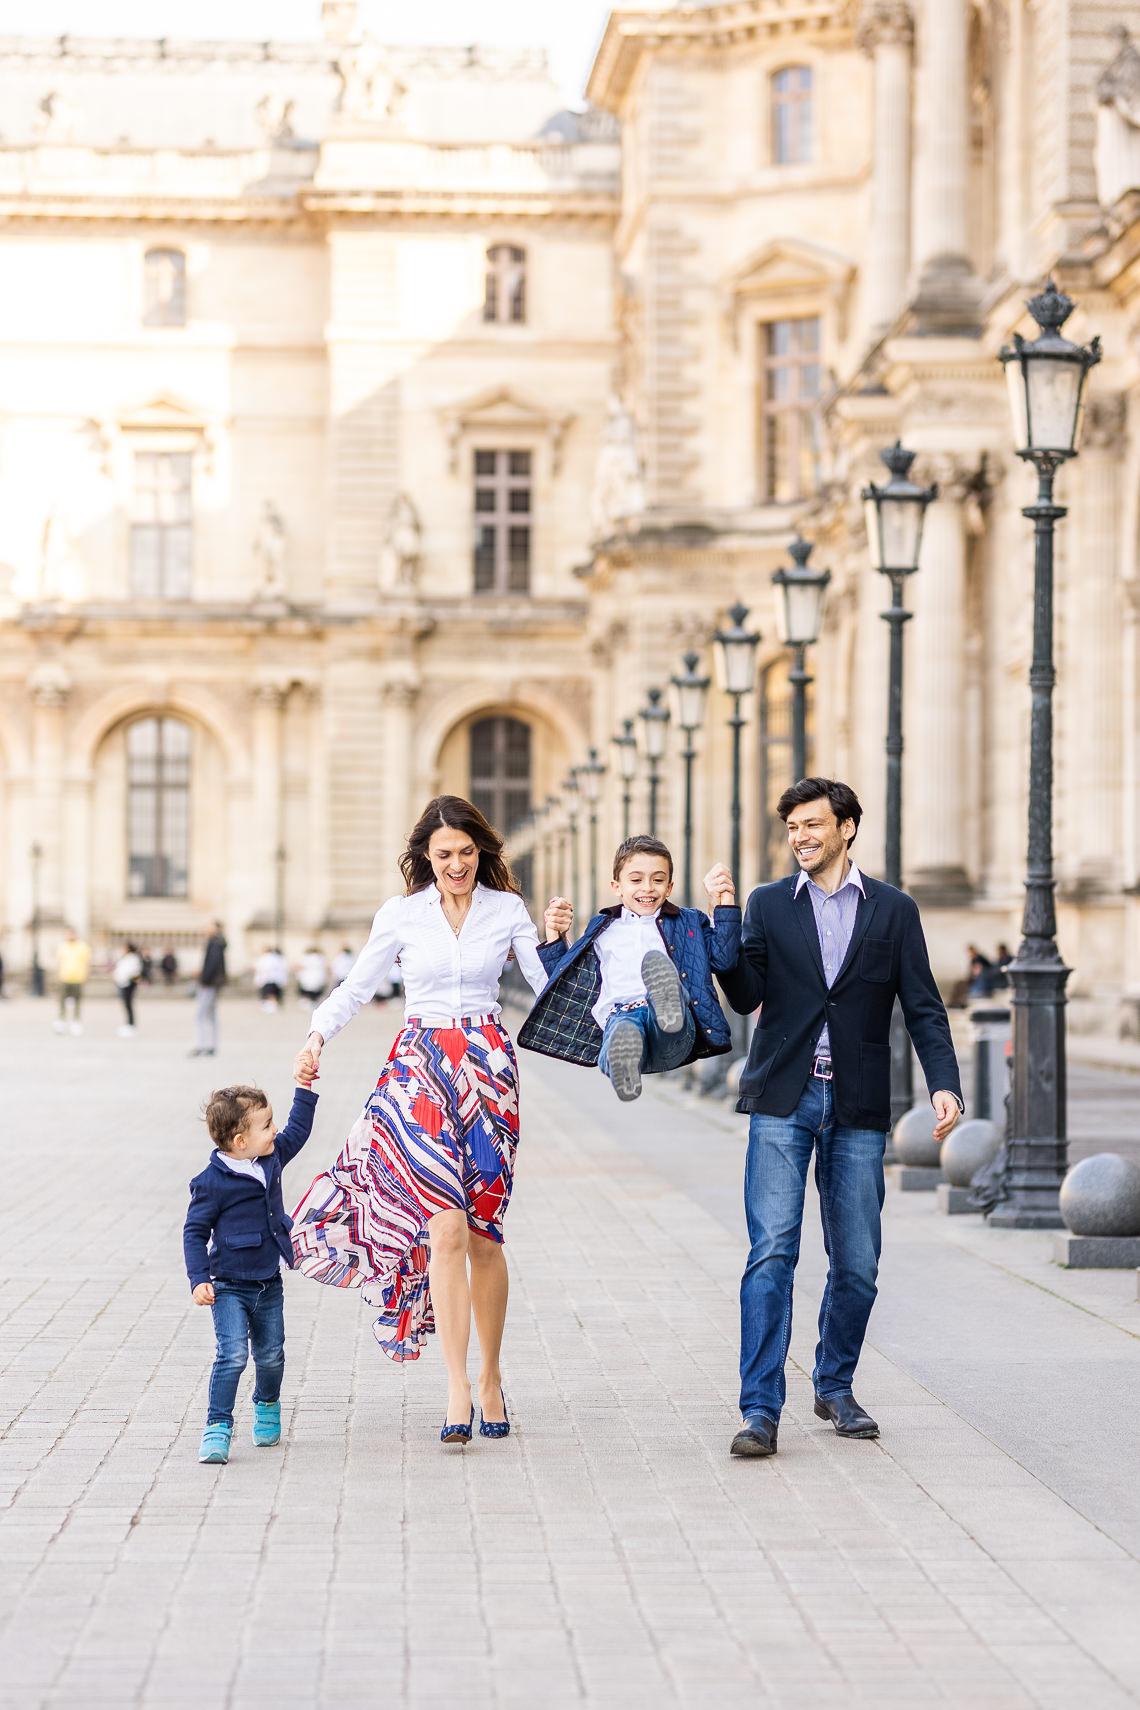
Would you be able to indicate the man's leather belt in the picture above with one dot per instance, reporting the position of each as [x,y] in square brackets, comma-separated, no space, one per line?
[821,1069]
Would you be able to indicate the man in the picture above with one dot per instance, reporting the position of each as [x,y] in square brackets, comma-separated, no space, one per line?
[211,979]
[825,952]
[74,965]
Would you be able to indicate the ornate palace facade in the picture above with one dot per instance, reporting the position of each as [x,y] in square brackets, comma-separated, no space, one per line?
[372,426]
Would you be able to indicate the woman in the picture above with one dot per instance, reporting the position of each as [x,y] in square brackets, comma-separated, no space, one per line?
[423,1183]
[127,973]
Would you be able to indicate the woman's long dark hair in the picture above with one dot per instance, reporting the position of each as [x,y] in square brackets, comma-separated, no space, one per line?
[452,813]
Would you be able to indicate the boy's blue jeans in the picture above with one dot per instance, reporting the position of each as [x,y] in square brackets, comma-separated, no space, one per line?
[248,1317]
[660,1051]
[849,1176]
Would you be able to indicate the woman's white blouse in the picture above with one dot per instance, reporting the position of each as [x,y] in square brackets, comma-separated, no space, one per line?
[445,975]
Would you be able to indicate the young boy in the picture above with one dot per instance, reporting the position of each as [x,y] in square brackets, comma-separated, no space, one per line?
[237,1201]
[635,993]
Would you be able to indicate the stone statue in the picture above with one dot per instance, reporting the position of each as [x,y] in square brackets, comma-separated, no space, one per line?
[1119,83]
[269,553]
[369,89]
[401,554]
[55,120]
[274,114]
[619,481]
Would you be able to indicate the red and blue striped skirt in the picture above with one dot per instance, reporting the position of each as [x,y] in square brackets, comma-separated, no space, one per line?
[438,1134]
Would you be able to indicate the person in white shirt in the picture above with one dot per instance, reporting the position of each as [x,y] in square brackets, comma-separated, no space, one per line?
[126,974]
[342,964]
[270,977]
[422,1186]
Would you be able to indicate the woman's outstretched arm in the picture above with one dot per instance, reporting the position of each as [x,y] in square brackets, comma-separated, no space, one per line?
[524,943]
[363,979]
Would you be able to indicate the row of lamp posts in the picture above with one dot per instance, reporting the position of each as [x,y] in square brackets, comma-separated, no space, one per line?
[1046,378]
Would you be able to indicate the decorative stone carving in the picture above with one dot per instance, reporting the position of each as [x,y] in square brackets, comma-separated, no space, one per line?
[401,554]
[49,685]
[339,21]
[269,553]
[884,21]
[55,117]
[274,115]
[369,88]
[1119,83]
[619,478]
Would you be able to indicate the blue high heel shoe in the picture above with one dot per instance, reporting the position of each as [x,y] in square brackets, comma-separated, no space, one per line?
[495,1427]
[457,1433]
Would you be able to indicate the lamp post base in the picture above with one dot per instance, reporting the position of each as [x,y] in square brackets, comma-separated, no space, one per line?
[1037,1144]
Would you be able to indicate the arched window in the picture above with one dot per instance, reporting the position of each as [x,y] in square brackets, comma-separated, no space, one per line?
[791,106]
[164,288]
[500,771]
[504,295]
[158,807]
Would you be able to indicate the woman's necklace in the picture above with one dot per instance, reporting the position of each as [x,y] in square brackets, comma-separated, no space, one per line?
[456,926]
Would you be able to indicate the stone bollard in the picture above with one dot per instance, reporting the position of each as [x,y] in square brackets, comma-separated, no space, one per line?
[1100,1203]
[966,1150]
[917,1150]
[991,1024]
[736,1068]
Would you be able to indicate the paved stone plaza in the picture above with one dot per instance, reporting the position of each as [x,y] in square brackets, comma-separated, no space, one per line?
[982,1554]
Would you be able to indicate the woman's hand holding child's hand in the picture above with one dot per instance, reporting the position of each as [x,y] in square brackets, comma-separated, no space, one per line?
[558,919]
[204,1294]
[306,1064]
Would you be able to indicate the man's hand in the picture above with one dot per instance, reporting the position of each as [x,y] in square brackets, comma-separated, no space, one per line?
[948,1113]
[558,919]
[204,1294]
[720,887]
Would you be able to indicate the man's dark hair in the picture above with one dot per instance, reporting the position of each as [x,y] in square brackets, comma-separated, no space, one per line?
[227,1112]
[640,846]
[841,798]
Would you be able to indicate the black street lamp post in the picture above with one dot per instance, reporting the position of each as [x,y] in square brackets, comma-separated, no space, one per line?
[692,693]
[590,776]
[801,616]
[626,745]
[570,791]
[36,972]
[655,723]
[736,651]
[556,860]
[1046,380]
[895,516]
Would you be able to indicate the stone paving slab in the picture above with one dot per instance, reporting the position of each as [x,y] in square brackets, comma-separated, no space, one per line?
[607,1553]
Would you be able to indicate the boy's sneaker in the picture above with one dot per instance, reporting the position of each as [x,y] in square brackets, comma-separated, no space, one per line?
[215,1445]
[663,986]
[623,1056]
[266,1424]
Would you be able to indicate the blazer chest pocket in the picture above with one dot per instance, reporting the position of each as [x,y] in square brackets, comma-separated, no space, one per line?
[244,1238]
[877,959]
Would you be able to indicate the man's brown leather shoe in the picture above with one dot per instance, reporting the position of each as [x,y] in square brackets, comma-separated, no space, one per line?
[846,1415]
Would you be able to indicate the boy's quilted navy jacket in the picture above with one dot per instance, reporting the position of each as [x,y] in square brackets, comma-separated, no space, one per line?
[248,1222]
[561,1024]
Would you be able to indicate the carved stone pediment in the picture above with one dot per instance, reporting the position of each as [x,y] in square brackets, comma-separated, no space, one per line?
[502,408]
[787,267]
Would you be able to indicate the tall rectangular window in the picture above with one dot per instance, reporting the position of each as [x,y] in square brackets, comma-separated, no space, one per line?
[500,771]
[790,99]
[158,807]
[502,522]
[504,290]
[164,288]
[789,391]
[161,528]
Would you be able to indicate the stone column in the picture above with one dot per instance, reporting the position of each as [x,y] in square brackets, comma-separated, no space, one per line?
[936,780]
[947,292]
[1091,659]
[885,32]
[268,710]
[399,696]
[50,687]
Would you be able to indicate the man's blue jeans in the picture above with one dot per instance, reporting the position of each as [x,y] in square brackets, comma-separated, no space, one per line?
[849,1176]
[660,1051]
[248,1317]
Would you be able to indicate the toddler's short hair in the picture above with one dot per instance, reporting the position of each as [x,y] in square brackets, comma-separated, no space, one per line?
[227,1111]
[640,846]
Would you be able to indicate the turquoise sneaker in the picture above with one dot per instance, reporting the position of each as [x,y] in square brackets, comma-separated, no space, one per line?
[266,1424]
[215,1446]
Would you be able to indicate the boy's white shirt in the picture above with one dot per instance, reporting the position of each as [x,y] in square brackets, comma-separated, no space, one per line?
[244,1167]
[619,950]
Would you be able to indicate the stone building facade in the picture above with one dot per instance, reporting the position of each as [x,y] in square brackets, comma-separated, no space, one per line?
[372,426]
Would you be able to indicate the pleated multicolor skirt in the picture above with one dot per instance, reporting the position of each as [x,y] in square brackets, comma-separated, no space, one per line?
[438,1134]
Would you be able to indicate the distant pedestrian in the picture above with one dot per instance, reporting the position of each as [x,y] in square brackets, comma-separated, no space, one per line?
[824,956]
[147,960]
[211,979]
[312,976]
[127,973]
[169,966]
[73,967]
[235,1235]
[342,964]
[270,977]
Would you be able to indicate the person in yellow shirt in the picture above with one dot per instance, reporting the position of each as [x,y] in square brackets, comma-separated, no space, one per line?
[73,967]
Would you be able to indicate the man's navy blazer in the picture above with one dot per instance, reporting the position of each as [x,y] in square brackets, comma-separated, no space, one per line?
[780,970]
[249,1224]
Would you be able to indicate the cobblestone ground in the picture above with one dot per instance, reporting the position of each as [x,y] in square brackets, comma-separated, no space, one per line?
[982,1554]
